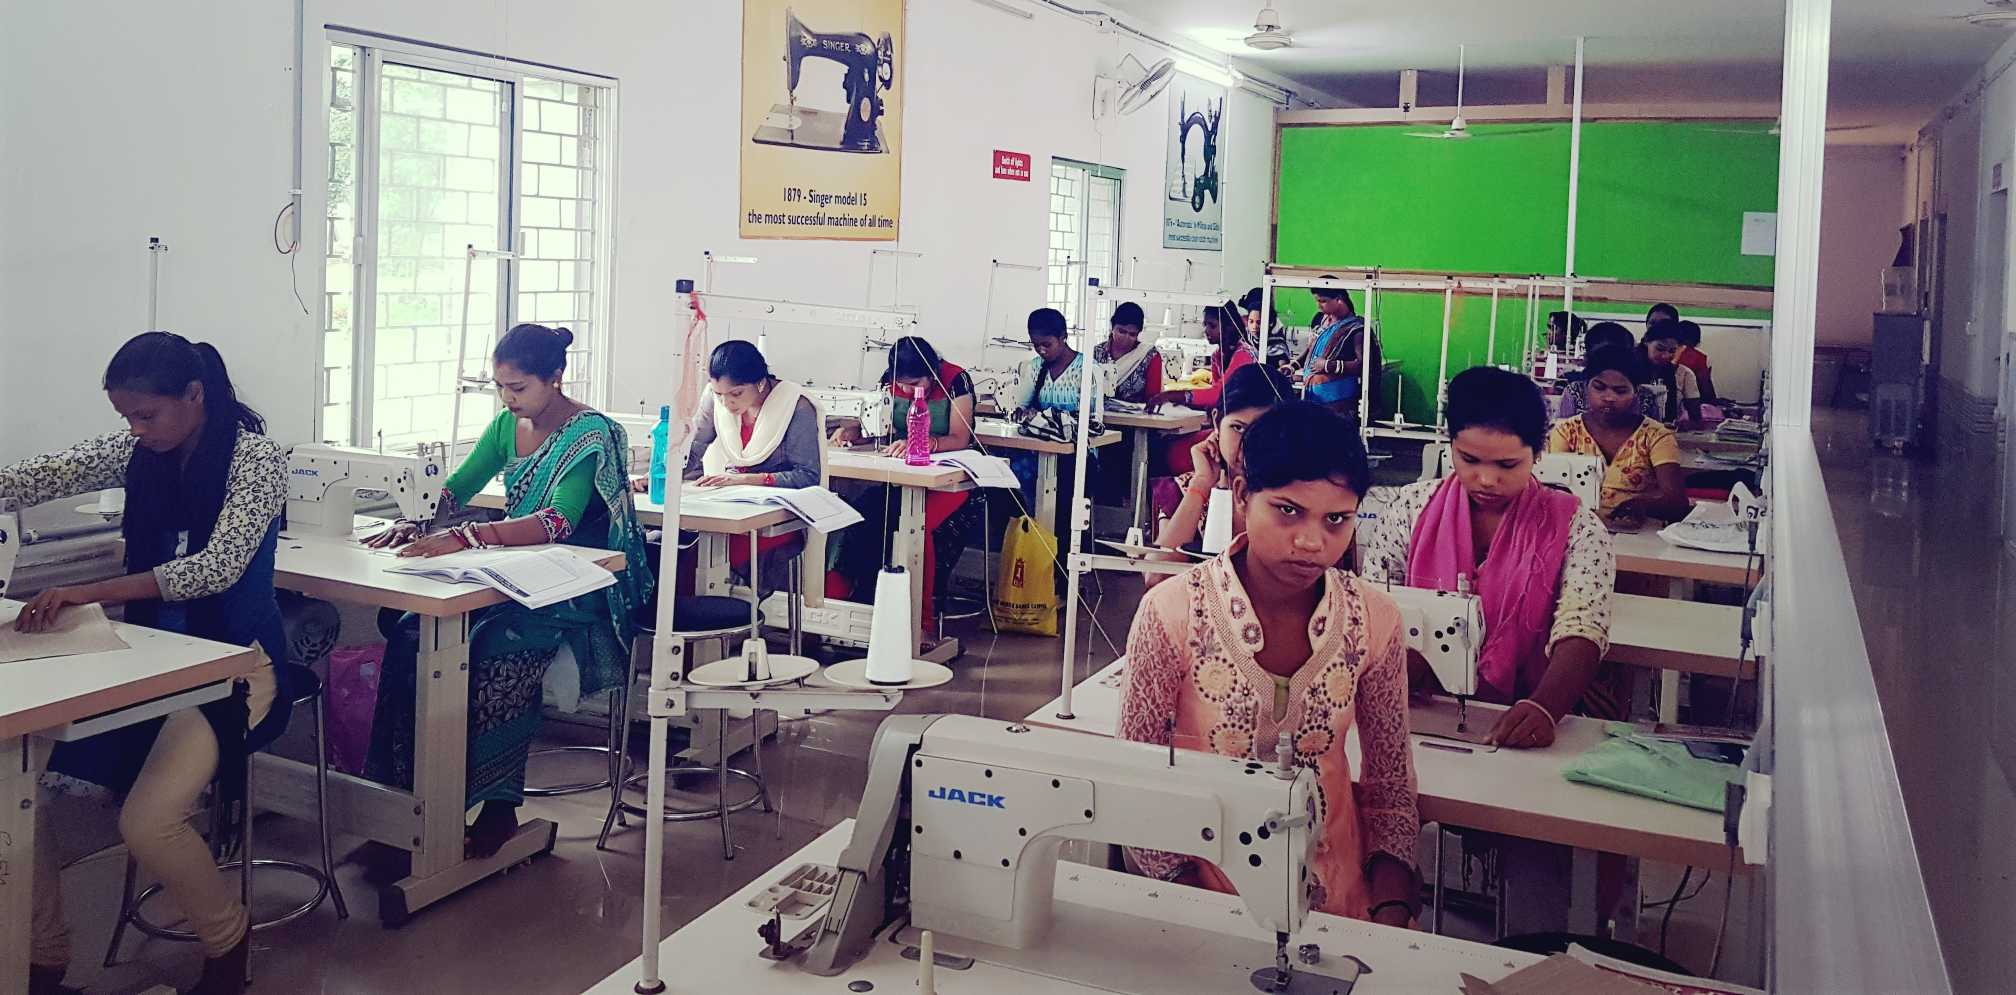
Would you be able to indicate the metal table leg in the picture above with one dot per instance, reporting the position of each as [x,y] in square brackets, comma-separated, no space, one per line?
[21,762]
[1143,515]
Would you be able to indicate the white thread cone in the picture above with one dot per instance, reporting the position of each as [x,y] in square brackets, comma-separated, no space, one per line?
[756,659]
[1218,521]
[889,635]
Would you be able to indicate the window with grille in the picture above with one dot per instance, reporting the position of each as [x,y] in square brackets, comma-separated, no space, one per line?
[466,195]
[1084,233]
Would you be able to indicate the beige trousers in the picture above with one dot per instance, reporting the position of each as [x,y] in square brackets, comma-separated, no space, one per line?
[154,822]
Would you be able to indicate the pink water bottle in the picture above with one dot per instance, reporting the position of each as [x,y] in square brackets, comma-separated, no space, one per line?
[917,427]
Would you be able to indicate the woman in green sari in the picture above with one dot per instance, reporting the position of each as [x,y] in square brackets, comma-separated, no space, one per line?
[565,469]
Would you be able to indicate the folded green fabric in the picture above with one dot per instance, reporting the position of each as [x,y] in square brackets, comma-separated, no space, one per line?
[1655,768]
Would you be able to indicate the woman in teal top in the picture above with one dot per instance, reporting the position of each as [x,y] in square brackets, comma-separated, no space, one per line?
[566,480]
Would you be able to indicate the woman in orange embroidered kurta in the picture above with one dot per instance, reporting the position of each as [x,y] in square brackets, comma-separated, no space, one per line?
[1194,671]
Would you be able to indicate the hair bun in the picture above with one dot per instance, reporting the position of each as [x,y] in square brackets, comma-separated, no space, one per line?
[565,336]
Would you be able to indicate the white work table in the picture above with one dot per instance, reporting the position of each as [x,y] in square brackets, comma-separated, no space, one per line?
[995,433]
[1144,426]
[430,820]
[1684,636]
[1113,933]
[910,484]
[76,696]
[1642,551]
[1514,792]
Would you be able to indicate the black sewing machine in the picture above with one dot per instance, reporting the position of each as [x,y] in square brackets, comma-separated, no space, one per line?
[1207,182]
[871,69]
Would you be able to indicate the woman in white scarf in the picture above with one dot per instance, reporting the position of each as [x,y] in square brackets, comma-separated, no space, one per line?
[758,430]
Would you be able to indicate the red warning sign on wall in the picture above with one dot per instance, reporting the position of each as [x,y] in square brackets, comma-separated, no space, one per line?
[1011,165]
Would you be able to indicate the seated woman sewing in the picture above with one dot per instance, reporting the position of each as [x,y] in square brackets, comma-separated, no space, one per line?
[1539,560]
[756,429]
[1642,477]
[1270,637]
[915,375]
[1222,327]
[566,480]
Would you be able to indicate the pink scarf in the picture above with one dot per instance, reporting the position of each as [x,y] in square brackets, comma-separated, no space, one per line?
[1519,580]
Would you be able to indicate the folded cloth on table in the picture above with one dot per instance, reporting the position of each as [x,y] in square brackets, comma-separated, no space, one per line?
[1656,768]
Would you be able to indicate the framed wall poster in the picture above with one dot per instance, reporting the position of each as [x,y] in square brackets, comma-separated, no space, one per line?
[1192,198]
[822,119]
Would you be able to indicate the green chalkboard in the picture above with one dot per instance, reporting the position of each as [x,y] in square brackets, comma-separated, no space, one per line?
[1660,201]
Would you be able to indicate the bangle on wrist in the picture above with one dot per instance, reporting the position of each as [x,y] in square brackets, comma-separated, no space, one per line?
[1390,903]
[1551,720]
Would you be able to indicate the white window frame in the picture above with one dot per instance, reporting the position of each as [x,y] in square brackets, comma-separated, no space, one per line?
[1091,171]
[372,50]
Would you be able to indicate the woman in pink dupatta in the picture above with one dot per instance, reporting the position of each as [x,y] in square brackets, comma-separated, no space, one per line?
[1541,563]
[1270,637]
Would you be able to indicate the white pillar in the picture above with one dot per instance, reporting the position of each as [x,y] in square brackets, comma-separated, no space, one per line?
[1802,150]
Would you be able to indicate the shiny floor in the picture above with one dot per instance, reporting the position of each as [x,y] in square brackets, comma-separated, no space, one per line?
[564,922]
[1936,593]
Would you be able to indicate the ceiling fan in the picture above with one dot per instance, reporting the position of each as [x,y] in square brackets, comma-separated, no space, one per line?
[1268,35]
[1778,128]
[1459,129]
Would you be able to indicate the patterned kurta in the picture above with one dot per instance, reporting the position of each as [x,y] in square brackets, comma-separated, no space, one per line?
[1632,473]
[1192,657]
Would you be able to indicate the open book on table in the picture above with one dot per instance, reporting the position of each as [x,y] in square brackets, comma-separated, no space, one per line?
[986,470]
[820,508]
[534,578]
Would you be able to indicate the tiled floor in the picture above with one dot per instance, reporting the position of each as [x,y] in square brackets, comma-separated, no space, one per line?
[565,921]
[1936,593]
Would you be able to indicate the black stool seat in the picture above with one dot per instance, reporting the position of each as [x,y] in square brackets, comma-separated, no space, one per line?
[700,613]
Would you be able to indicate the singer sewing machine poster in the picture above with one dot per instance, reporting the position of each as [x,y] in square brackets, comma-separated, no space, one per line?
[822,106]
[1192,204]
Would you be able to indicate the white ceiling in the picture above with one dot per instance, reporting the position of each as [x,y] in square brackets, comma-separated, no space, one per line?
[1894,61]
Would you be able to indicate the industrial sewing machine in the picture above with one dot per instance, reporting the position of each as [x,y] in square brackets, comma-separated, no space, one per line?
[1575,473]
[962,817]
[1447,629]
[323,481]
[1181,357]
[871,407]
[870,66]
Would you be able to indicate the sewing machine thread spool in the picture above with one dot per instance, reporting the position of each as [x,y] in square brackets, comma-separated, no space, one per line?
[1218,521]
[756,658]
[889,635]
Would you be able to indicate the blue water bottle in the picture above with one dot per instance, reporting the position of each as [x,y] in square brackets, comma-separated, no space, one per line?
[661,434]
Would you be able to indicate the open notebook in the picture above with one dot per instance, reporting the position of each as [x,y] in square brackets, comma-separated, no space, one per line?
[534,578]
[820,508]
[986,470]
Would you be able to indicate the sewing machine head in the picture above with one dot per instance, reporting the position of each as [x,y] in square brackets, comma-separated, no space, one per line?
[10,543]
[1575,473]
[870,65]
[323,481]
[978,808]
[1183,356]
[870,407]
[1447,629]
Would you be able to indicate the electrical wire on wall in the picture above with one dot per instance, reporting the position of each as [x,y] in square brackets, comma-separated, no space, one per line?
[291,249]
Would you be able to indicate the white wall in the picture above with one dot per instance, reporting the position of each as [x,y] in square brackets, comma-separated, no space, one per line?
[181,127]
[1858,237]
[1969,143]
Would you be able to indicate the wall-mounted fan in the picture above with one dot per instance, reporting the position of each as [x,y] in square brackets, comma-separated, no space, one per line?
[1131,87]
[1459,129]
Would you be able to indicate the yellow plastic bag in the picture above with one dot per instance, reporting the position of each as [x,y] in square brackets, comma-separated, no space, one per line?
[1025,594]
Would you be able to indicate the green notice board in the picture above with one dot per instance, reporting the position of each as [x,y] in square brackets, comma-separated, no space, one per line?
[1660,201]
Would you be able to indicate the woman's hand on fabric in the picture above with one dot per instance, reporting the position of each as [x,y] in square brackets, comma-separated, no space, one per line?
[399,534]
[42,611]
[435,545]
[1206,465]
[727,479]
[846,435]
[1524,726]
[896,448]
[641,485]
